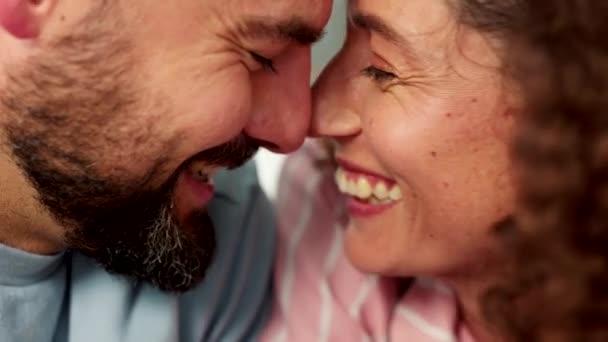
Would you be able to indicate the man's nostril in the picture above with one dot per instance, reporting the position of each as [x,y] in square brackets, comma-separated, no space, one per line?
[270,146]
[267,145]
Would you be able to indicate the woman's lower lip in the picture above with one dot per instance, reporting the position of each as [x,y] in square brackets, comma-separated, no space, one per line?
[358,208]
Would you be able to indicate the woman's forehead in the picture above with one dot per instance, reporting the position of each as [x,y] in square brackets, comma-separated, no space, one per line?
[408,17]
[419,28]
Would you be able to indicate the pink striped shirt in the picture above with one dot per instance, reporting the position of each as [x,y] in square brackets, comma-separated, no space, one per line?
[319,296]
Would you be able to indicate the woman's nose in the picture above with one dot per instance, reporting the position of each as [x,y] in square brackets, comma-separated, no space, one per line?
[334,105]
[282,102]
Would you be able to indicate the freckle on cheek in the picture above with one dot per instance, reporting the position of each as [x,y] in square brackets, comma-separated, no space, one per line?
[474,100]
[509,112]
[446,185]
[453,115]
[434,154]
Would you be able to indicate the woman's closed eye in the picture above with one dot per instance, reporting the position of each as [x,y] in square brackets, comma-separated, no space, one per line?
[378,75]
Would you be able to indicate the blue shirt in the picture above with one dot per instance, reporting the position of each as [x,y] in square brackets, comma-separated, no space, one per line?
[68,298]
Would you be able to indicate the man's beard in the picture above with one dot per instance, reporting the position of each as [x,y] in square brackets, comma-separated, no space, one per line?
[128,227]
[65,108]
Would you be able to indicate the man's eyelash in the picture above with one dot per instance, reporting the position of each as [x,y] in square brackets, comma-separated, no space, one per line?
[378,75]
[266,63]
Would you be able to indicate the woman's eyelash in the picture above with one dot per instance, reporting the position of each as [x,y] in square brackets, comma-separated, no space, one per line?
[267,64]
[378,75]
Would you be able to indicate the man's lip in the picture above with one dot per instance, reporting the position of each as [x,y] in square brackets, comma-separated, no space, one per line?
[203,192]
[352,167]
[190,195]
[193,163]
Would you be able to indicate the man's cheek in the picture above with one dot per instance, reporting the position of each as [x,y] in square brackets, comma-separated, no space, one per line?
[216,118]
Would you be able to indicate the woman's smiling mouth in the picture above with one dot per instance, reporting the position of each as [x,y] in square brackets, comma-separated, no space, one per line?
[368,194]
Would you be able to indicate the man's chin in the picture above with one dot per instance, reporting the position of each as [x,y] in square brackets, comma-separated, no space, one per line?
[170,257]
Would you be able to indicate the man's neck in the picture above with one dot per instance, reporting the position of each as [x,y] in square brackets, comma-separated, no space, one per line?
[29,242]
[24,224]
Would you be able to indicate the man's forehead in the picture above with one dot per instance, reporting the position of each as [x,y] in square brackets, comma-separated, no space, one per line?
[315,13]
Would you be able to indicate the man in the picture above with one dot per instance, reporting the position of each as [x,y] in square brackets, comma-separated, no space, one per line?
[115,116]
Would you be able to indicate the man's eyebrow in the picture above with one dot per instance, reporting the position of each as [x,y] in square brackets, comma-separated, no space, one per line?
[373,23]
[294,30]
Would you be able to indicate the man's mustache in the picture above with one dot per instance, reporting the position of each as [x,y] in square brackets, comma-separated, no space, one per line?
[232,154]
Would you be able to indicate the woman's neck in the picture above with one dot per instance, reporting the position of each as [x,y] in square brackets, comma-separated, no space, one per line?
[470,290]
[469,297]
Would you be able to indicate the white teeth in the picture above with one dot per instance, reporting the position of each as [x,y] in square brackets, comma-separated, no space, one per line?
[197,169]
[395,194]
[341,180]
[364,189]
[361,187]
[380,191]
[352,188]
[375,201]
[200,176]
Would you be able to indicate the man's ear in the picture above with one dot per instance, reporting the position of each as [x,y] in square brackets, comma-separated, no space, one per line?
[23,19]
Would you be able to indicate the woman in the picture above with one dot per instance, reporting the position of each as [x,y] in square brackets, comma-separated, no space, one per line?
[423,104]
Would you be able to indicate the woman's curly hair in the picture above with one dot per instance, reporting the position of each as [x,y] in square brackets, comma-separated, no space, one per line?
[557,53]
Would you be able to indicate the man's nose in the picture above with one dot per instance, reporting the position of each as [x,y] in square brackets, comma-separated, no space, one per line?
[281,102]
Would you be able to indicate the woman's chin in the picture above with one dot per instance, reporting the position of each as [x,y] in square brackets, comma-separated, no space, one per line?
[374,248]
[370,254]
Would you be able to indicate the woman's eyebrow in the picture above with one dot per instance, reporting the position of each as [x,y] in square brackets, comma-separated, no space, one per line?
[376,24]
[292,30]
